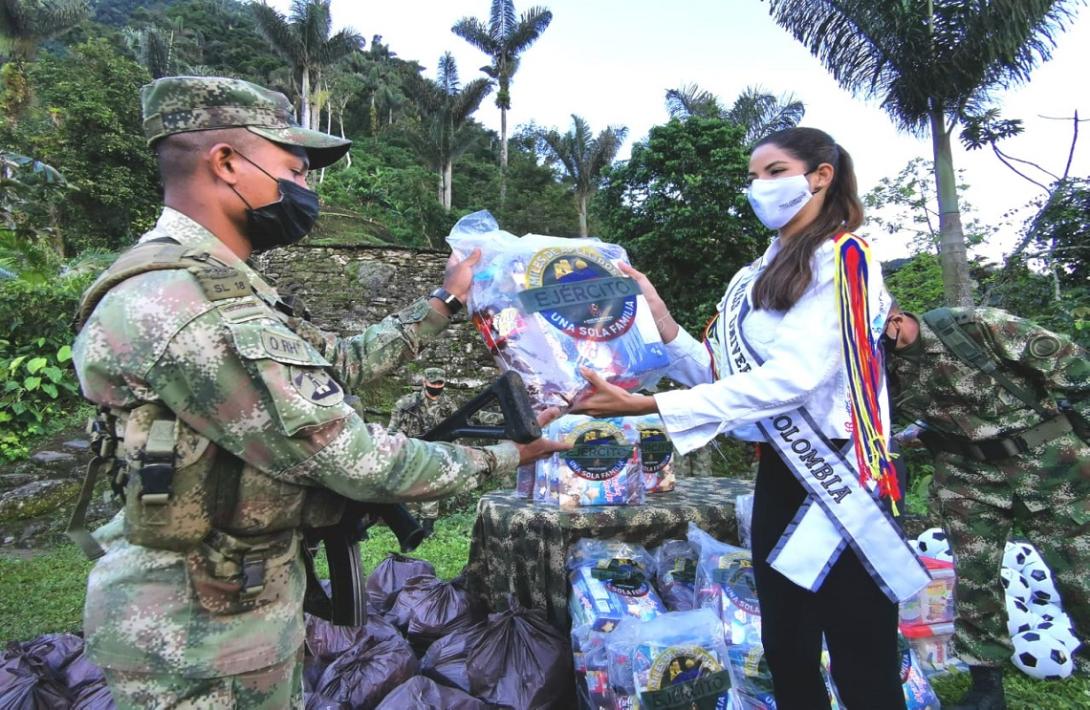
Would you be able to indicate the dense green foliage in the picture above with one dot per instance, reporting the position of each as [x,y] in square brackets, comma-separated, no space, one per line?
[679,207]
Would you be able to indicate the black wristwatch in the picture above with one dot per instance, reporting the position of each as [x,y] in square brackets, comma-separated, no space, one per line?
[449,299]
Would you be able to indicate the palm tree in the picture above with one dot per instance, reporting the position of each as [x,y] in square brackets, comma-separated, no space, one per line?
[756,110]
[443,134]
[304,40]
[24,25]
[930,62]
[504,40]
[583,158]
[761,113]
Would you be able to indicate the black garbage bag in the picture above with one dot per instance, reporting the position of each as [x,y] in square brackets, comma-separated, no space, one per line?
[422,693]
[365,674]
[442,609]
[326,642]
[518,659]
[445,661]
[94,696]
[27,683]
[390,576]
[414,589]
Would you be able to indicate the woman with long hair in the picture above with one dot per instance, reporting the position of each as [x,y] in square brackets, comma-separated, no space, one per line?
[792,360]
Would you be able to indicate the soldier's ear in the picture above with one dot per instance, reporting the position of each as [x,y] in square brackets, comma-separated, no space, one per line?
[224,163]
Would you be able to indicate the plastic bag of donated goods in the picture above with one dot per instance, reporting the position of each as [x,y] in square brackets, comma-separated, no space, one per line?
[547,306]
[725,584]
[656,454]
[601,468]
[609,581]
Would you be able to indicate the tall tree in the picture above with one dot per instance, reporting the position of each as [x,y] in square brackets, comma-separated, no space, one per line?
[755,110]
[443,133]
[929,61]
[24,25]
[583,157]
[303,39]
[504,40]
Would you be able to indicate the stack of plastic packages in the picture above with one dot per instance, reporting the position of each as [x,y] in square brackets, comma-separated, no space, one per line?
[547,306]
[610,581]
[726,585]
[601,468]
[657,455]
[927,619]
[678,659]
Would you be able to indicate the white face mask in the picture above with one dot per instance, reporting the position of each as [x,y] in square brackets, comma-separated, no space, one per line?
[776,201]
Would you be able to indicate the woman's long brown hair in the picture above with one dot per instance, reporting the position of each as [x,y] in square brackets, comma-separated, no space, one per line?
[790,273]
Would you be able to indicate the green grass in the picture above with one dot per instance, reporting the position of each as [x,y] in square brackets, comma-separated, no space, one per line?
[1023,692]
[45,594]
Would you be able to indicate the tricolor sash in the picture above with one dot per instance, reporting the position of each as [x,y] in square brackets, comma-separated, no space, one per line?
[839,510]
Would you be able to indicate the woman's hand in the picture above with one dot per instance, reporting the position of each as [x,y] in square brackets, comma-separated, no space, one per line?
[667,326]
[610,400]
[540,448]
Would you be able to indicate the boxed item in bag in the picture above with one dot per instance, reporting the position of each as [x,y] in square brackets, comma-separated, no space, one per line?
[919,694]
[601,468]
[934,604]
[933,645]
[610,580]
[656,454]
[677,660]
[725,584]
[547,306]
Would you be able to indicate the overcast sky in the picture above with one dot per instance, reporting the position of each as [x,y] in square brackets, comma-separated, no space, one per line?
[611,61]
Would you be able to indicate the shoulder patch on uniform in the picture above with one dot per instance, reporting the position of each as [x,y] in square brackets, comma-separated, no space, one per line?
[250,308]
[316,386]
[220,282]
[256,340]
[1043,346]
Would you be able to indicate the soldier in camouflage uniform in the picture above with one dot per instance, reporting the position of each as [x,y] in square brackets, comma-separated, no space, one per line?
[417,413]
[229,430]
[999,460]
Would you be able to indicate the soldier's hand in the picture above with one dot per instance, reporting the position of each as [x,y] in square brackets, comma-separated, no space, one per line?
[540,448]
[459,274]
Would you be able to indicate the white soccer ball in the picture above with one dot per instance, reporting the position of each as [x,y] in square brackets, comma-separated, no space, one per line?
[1016,585]
[1019,617]
[1017,555]
[1062,631]
[1041,656]
[933,543]
[1046,610]
[1041,583]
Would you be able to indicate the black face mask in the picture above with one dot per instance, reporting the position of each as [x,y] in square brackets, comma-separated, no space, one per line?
[434,391]
[283,222]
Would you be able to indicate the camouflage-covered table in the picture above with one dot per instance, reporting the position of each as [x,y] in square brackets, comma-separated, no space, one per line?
[519,546]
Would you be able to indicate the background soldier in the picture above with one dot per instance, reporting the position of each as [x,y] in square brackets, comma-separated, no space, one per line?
[417,413]
[230,431]
[1004,408]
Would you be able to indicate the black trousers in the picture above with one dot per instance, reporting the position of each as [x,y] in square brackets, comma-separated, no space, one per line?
[859,622]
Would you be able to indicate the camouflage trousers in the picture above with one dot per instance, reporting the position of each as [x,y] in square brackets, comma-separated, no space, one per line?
[980,504]
[275,687]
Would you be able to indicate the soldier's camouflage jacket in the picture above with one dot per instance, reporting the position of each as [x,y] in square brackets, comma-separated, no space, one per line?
[232,370]
[931,384]
[415,414]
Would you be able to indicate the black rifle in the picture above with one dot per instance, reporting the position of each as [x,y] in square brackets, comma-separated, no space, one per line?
[346,604]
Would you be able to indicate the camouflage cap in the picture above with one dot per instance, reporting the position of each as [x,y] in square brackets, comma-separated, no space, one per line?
[178,104]
[434,376]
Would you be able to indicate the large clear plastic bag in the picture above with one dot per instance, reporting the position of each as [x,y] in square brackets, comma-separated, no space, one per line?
[610,580]
[726,585]
[675,574]
[601,468]
[591,665]
[678,659]
[547,306]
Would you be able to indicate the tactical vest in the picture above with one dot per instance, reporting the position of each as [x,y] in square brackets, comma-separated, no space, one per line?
[181,491]
[956,331]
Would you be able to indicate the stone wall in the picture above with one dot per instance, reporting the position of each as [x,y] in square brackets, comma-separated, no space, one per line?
[350,287]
